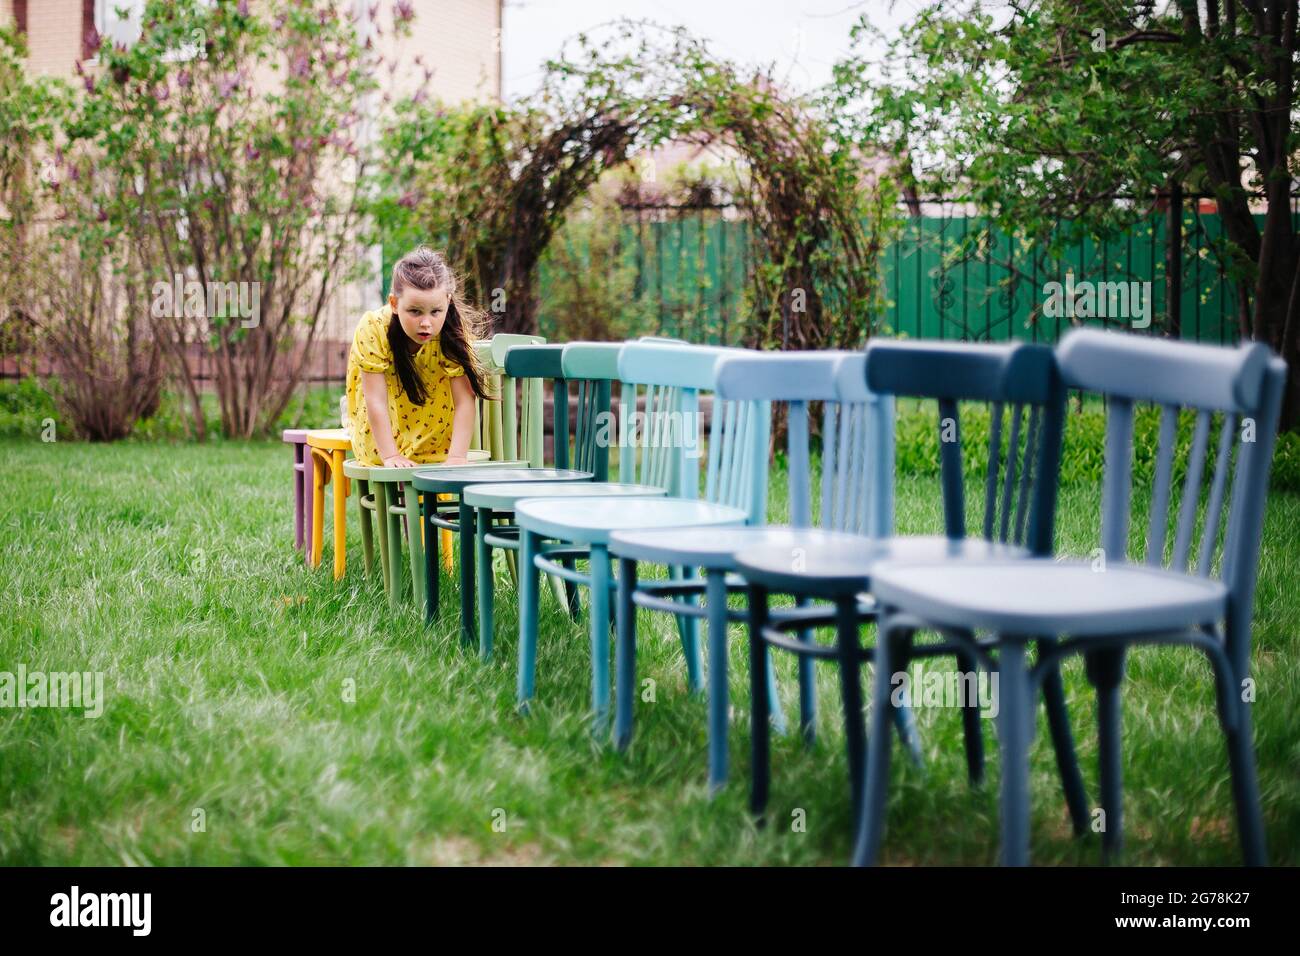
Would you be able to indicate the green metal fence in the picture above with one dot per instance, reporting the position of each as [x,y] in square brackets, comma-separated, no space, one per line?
[692,266]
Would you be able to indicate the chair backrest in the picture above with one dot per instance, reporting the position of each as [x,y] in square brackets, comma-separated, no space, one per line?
[857,433]
[661,445]
[1023,461]
[590,367]
[1240,386]
[509,427]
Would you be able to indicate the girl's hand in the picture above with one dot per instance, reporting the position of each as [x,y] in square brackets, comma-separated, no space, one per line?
[456,460]
[398,461]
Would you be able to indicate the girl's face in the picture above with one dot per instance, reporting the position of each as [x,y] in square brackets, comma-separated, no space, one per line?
[421,313]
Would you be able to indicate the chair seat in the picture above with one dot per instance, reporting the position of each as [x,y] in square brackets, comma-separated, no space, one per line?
[1038,596]
[486,494]
[294,436]
[502,496]
[591,520]
[716,548]
[330,438]
[832,564]
[450,479]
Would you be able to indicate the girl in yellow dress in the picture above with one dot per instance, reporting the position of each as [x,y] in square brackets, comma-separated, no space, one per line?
[412,374]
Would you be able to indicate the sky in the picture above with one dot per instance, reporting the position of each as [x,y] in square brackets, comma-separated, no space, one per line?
[803,38]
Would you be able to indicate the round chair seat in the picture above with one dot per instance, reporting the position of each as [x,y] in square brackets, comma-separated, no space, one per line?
[451,479]
[1040,596]
[294,436]
[591,520]
[331,438]
[502,497]
[717,548]
[815,565]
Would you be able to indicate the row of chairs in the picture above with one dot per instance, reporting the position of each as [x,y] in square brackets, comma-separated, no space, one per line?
[985,584]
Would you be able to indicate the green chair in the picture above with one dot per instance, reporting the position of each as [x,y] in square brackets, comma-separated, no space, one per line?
[664,453]
[588,367]
[509,428]
[390,490]
[384,492]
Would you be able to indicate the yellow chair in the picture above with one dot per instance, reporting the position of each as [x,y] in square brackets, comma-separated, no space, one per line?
[328,448]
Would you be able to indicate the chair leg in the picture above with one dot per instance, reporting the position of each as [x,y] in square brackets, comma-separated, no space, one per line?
[1245,784]
[875,787]
[395,548]
[380,489]
[625,654]
[599,626]
[1067,761]
[528,593]
[570,590]
[309,520]
[483,557]
[760,730]
[1014,730]
[318,466]
[367,535]
[972,728]
[807,685]
[340,483]
[415,535]
[904,717]
[1105,673]
[850,665]
[298,449]
[433,538]
[689,629]
[775,709]
[467,538]
[719,703]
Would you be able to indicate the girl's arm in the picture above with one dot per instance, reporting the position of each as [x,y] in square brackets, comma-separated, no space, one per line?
[375,390]
[462,422]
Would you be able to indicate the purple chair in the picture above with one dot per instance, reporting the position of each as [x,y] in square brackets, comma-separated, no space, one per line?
[302,490]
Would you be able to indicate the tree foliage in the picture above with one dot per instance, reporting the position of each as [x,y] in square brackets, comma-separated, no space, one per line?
[496,182]
[1084,114]
[233,128]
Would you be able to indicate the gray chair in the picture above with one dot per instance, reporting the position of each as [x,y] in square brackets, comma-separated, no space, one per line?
[1100,608]
[1021,386]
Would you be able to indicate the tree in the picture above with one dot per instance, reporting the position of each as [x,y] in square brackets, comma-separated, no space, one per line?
[72,285]
[233,127]
[1086,112]
[496,182]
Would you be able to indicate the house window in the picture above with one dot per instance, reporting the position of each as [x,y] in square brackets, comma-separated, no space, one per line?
[119,20]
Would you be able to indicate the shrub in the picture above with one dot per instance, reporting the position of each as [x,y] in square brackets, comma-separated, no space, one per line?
[24,407]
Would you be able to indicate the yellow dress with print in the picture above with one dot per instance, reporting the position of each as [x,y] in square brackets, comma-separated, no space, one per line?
[422,432]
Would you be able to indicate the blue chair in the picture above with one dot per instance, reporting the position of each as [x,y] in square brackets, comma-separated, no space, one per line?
[663,456]
[856,498]
[591,367]
[1020,384]
[1154,598]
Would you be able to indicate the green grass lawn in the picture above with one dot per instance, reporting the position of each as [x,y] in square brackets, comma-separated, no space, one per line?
[171,570]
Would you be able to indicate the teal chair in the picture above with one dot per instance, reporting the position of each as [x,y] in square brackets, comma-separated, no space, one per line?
[486,508]
[663,454]
[587,369]
[856,500]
